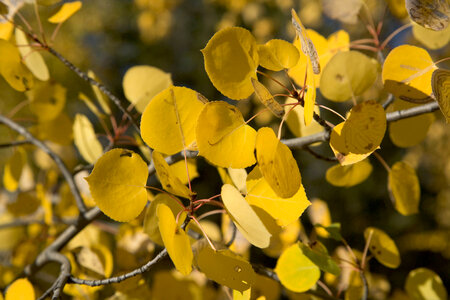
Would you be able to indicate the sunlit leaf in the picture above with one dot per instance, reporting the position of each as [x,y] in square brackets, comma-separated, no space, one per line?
[407,73]
[410,131]
[318,254]
[284,210]
[347,74]
[320,214]
[424,284]
[47,100]
[440,83]
[224,267]
[382,247]
[432,14]
[32,58]
[334,230]
[6,30]
[350,175]
[283,238]
[295,120]
[430,38]
[277,55]
[244,217]
[223,138]
[295,271]
[310,98]
[345,11]
[365,127]
[277,164]
[142,83]
[12,69]
[169,181]
[99,96]
[169,120]
[117,184]
[20,289]
[65,12]
[397,8]
[404,188]
[86,139]
[267,99]
[231,59]
[238,178]
[13,170]
[179,170]
[245,295]
[175,240]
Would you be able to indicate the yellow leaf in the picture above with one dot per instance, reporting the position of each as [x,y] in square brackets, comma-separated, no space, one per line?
[424,284]
[404,188]
[407,73]
[349,175]
[179,170]
[11,236]
[58,130]
[308,47]
[12,69]
[86,139]
[223,138]
[117,184]
[13,170]
[432,14]
[168,180]
[348,74]
[295,271]
[340,150]
[224,267]
[65,12]
[47,100]
[295,120]
[410,131]
[99,96]
[175,240]
[430,38]
[32,58]
[231,59]
[169,120]
[441,88]
[310,97]
[245,295]
[26,203]
[345,11]
[142,83]
[245,219]
[365,127]
[277,55]
[277,164]
[90,105]
[238,178]
[382,247]
[265,288]
[267,99]
[45,203]
[282,239]
[397,8]
[320,214]
[6,30]
[20,289]
[284,210]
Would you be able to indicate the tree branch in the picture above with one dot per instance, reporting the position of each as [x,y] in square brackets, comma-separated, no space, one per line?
[15,143]
[62,167]
[412,112]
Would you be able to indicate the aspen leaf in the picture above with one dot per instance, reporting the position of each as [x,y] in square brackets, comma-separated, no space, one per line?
[224,266]
[430,38]
[65,12]
[382,247]
[365,127]
[308,47]
[347,74]
[397,8]
[150,219]
[20,289]
[117,184]
[6,30]
[245,219]
[334,230]
[13,170]
[86,139]
[12,69]
[231,59]
[245,295]
[350,175]
[11,236]
[432,14]
[169,120]
[253,177]
[340,150]
[26,203]
[407,73]
[238,178]
[441,88]
[169,181]
[345,11]
[175,240]
[283,238]
[310,97]
[32,58]
[90,260]
[47,100]
[410,131]
[425,284]
[296,271]
[58,130]
[267,99]
[92,107]
[179,170]
[277,164]
[277,55]
[223,138]
[320,214]
[295,120]
[404,188]
[284,210]
[99,96]
[318,254]
[142,83]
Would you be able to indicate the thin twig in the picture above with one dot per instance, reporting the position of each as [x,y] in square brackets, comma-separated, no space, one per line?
[318,155]
[15,143]
[233,236]
[62,167]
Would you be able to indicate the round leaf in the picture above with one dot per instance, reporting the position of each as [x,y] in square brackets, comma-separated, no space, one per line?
[432,14]
[12,69]
[382,247]
[424,284]
[231,59]
[20,289]
[340,150]
[404,188]
[32,58]
[430,38]
[86,139]
[350,175]
[117,184]
[277,55]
